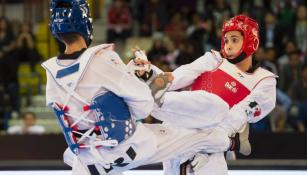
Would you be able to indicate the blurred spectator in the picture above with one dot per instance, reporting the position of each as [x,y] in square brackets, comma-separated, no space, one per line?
[266,57]
[283,100]
[119,26]
[202,35]
[290,46]
[185,7]
[301,28]
[26,50]
[172,54]
[257,9]
[6,47]
[8,64]
[28,126]
[290,72]
[217,11]
[298,93]
[196,22]
[270,33]
[271,56]
[278,119]
[152,16]
[220,12]
[158,50]
[186,53]
[4,109]
[157,54]
[286,18]
[176,29]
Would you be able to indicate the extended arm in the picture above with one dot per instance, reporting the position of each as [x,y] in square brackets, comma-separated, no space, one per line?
[135,93]
[186,74]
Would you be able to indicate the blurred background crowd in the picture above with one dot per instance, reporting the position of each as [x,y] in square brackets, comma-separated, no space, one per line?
[173,32]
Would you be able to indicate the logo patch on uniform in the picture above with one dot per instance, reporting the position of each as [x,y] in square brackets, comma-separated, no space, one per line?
[231,86]
[254,109]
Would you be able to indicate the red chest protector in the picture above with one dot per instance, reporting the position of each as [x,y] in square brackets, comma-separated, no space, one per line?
[230,83]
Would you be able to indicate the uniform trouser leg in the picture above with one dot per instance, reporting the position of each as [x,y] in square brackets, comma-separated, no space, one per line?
[158,143]
[208,143]
[199,109]
[215,166]
[191,109]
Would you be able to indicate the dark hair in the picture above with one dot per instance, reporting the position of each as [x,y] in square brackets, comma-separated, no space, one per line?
[69,38]
[23,116]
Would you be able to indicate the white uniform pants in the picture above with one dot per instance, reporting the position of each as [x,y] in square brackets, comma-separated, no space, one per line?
[216,166]
[149,144]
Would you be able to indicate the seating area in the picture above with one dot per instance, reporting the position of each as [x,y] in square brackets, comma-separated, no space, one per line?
[32,98]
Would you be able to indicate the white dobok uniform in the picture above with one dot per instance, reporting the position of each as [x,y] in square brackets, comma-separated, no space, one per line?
[73,84]
[222,95]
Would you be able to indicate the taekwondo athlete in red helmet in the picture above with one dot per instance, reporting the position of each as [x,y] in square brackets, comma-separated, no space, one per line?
[228,90]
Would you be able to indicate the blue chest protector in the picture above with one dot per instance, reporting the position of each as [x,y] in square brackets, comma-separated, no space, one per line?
[113,117]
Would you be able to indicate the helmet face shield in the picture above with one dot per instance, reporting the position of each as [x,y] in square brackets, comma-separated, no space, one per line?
[71,16]
[250,31]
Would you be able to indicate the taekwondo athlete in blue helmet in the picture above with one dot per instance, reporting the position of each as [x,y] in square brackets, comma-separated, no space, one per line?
[97,102]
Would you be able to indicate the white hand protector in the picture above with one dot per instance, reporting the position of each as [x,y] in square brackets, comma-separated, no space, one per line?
[140,64]
[198,161]
[140,54]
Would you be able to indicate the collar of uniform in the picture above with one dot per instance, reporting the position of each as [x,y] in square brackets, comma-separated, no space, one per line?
[71,56]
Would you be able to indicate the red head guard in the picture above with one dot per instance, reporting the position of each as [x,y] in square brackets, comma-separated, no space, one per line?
[249,29]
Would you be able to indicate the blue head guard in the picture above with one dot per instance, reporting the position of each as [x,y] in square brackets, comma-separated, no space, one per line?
[71,16]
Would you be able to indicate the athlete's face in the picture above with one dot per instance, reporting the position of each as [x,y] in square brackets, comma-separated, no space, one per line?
[233,43]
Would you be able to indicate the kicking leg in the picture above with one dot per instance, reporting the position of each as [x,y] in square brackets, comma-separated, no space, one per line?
[191,109]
